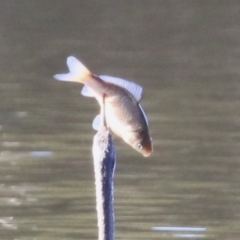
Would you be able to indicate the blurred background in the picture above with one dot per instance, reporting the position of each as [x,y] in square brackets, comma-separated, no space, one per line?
[185,54]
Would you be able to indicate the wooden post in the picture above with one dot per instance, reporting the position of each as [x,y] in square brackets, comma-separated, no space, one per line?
[104,159]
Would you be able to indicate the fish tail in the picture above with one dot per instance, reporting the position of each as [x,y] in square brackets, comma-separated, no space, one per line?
[77,72]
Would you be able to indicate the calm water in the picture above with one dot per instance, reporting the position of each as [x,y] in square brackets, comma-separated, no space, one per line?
[186,55]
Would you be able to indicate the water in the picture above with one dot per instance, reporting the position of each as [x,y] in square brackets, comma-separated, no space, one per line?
[186,56]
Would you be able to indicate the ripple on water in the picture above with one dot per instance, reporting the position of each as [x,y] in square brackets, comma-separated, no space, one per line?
[181,231]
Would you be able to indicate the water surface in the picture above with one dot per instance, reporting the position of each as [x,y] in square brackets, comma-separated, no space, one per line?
[186,55]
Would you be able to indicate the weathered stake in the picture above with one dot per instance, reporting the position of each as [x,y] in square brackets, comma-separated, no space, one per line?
[104,159]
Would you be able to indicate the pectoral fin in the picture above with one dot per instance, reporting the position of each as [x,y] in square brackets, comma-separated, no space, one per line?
[87,92]
[96,124]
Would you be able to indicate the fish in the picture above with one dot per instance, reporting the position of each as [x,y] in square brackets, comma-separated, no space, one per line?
[124,115]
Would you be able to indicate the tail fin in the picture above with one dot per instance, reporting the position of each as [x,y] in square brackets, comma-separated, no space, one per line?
[77,71]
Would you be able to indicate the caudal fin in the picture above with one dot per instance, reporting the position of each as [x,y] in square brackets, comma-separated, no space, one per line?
[77,71]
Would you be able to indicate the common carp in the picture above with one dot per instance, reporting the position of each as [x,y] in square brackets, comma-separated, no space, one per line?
[124,115]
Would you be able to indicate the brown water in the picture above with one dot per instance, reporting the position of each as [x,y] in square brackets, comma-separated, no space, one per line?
[186,55]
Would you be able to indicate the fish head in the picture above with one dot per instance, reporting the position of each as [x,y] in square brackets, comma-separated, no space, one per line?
[141,142]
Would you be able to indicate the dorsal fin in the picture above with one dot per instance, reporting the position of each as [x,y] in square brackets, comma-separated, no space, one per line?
[133,88]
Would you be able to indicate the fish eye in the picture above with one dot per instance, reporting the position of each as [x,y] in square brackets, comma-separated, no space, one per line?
[139,145]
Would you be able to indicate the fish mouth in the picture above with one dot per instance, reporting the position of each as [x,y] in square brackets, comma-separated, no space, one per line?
[147,149]
[147,154]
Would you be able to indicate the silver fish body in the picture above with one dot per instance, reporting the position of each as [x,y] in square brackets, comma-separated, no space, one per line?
[124,115]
